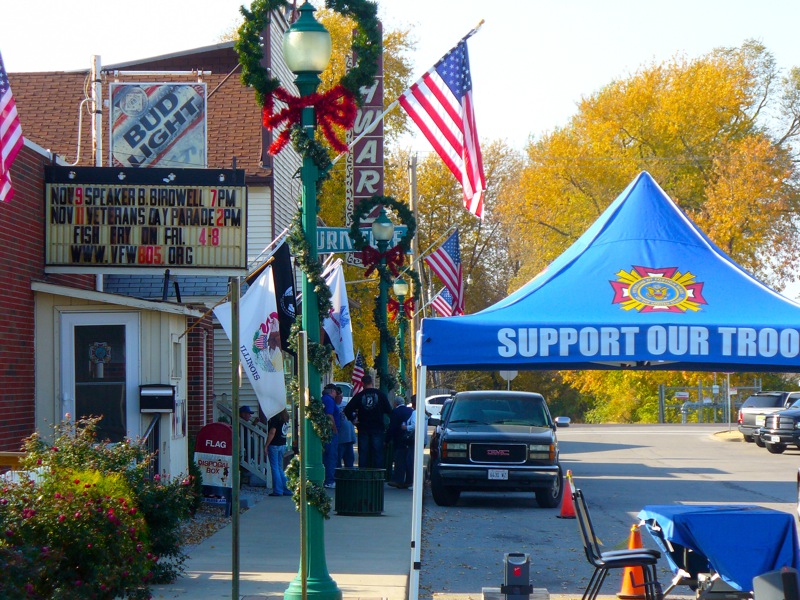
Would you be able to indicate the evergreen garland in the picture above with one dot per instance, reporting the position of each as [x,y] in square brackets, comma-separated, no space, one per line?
[360,242]
[367,46]
[315,493]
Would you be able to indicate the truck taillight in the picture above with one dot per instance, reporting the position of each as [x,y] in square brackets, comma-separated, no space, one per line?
[741,418]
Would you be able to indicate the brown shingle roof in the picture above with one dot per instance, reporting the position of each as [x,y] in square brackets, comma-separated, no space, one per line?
[48,107]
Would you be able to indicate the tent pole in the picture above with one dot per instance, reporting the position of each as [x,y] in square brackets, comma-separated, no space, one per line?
[412,200]
[419,470]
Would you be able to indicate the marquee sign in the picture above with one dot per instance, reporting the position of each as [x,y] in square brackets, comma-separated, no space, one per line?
[125,221]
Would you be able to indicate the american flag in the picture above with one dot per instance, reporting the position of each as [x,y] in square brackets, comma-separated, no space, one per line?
[446,264]
[440,103]
[10,135]
[442,303]
[358,373]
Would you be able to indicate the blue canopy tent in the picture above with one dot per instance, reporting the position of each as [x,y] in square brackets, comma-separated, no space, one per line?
[643,288]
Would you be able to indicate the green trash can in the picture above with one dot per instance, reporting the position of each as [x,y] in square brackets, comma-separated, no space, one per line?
[359,491]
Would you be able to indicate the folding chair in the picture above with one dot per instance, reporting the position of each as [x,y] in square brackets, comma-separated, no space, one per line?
[603,562]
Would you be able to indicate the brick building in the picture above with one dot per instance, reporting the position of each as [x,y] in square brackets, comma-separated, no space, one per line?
[49,315]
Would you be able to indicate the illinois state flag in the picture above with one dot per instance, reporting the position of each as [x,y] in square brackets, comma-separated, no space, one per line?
[338,325]
[259,342]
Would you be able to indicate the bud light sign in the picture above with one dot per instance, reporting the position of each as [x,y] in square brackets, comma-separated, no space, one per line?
[158,125]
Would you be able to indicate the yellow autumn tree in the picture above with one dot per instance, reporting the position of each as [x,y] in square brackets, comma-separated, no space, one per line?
[716,132]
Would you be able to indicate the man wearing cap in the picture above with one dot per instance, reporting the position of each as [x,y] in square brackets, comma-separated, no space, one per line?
[245,412]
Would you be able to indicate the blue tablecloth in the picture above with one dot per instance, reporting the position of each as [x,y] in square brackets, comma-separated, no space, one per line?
[740,541]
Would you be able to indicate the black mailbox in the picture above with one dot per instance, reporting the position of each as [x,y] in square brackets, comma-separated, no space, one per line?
[156,398]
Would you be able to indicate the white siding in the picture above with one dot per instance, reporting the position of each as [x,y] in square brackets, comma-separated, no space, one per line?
[259,221]
[286,164]
[222,374]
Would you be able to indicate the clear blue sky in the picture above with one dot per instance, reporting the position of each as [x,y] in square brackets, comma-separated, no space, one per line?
[532,60]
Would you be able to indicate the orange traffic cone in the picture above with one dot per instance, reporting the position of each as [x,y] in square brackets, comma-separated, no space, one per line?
[567,507]
[633,577]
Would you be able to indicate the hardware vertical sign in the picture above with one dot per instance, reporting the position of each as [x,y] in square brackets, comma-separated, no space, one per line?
[364,175]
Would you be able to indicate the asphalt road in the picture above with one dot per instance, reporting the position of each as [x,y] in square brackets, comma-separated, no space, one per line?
[620,469]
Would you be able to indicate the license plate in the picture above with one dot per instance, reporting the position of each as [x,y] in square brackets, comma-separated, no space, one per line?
[498,474]
[760,420]
[775,439]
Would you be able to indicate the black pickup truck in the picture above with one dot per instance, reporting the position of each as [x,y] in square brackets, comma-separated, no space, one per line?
[781,428]
[496,441]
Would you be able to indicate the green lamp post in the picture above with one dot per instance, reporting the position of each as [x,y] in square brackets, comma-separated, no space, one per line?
[307,51]
[400,288]
[383,231]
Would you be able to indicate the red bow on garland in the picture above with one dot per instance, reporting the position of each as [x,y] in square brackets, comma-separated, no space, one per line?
[395,257]
[334,107]
[393,307]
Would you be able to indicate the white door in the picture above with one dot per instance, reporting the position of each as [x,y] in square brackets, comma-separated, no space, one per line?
[100,371]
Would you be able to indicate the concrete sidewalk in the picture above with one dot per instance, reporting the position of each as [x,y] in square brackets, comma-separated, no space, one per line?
[367,556]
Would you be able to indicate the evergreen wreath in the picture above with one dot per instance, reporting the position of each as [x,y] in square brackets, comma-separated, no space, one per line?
[366,45]
[360,242]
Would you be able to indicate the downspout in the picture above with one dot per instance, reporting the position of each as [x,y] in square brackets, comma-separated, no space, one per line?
[97,130]
[205,377]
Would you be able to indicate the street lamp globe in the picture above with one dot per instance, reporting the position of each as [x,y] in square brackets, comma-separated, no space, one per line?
[382,227]
[400,287]
[307,44]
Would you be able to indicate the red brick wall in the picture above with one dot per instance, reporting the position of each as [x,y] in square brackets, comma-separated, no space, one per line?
[200,344]
[22,261]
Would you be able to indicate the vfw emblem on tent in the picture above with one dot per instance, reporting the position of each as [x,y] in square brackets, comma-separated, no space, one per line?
[646,289]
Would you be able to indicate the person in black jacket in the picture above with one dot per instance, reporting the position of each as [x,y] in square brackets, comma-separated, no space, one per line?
[366,410]
[401,433]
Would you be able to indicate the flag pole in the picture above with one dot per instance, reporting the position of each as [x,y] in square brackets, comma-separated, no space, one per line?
[392,106]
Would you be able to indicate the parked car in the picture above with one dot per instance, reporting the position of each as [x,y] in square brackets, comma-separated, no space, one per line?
[347,391]
[754,410]
[781,429]
[496,441]
[433,405]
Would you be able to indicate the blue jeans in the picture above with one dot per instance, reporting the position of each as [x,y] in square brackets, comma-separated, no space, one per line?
[330,453]
[403,465]
[370,449]
[346,455]
[276,453]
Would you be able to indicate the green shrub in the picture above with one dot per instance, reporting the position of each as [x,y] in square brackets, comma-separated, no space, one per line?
[73,535]
[163,504]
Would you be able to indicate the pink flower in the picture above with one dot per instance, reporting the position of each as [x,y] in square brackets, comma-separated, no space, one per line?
[156,477]
[61,518]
